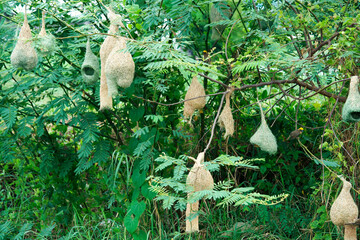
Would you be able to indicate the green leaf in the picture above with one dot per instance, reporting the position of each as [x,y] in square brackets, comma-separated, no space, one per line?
[9,116]
[146,192]
[141,235]
[131,222]
[138,178]
[136,114]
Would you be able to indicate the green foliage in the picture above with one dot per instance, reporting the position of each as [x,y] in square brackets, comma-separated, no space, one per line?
[71,171]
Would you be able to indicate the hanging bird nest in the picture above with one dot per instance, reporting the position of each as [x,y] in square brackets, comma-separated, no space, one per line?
[198,179]
[216,16]
[90,68]
[105,50]
[24,55]
[195,90]
[46,43]
[351,108]
[263,137]
[119,67]
[344,211]
[226,119]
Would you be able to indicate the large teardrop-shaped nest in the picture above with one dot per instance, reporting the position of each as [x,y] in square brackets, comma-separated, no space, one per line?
[351,108]
[264,138]
[226,119]
[119,67]
[199,177]
[24,55]
[90,69]
[195,90]
[344,210]
[216,16]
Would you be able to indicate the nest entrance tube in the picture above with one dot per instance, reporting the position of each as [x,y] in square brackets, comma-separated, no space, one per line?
[90,68]
[198,179]
[344,211]
[263,137]
[351,108]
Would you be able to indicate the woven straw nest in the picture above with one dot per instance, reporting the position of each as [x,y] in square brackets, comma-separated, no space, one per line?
[198,179]
[263,137]
[351,108]
[216,16]
[195,90]
[90,69]
[105,50]
[226,119]
[46,43]
[24,55]
[345,211]
[119,67]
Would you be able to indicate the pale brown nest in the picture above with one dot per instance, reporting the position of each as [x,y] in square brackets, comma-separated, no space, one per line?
[344,210]
[263,136]
[226,119]
[46,43]
[90,68]
[195,90]
[351,108]
[119,67]
[198,179]
[24,55]
[105,50]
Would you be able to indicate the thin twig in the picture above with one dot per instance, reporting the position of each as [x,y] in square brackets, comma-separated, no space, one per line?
[176,103]
[215,121]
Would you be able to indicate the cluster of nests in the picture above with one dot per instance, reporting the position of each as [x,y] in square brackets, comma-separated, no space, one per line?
[194,99]
[117,65]
[24,54]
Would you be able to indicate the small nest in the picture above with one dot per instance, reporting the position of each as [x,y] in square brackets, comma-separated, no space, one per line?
[344,210]
[46,43]
[226,119]
[119,67]
[216,16]
[351,108]
[263,137]
[90,68]
[24,55]
[195,90]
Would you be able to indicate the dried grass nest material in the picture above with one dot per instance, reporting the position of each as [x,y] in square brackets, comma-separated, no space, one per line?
[226,119]
[105,50]
[216,16]
[90,69]
[198,179]
[119,67]
[24,55]
[195,90]
[344,211]
[46,43]
[263,137]
[351,108]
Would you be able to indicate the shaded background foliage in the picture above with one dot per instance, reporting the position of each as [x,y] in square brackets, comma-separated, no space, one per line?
[68,168]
